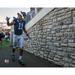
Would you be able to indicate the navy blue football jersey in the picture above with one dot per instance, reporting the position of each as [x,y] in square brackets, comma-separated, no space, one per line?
[19,26]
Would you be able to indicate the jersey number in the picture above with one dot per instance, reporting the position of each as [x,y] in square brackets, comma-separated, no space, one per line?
[20,26]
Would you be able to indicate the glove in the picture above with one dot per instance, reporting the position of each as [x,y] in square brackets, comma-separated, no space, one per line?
[7,18]
[29,37]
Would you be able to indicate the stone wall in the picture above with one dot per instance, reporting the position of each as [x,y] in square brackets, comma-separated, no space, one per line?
[53,37]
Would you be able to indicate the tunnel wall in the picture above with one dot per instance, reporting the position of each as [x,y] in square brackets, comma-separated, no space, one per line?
[53,37]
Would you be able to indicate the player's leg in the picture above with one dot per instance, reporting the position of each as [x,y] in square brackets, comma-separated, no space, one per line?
[14,44]
[14,47]
[11,39]
[21,45]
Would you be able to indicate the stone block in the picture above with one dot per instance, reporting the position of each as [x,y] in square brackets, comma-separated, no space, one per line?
[71,44]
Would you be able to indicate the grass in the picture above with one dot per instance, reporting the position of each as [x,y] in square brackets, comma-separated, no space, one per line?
[5,43]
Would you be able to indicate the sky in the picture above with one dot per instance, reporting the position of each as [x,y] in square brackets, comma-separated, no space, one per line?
[10,12]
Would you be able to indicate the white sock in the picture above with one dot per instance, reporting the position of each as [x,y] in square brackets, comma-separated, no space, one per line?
[20,57]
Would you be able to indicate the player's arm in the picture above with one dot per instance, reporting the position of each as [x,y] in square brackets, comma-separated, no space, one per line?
[26,33]
[9,23]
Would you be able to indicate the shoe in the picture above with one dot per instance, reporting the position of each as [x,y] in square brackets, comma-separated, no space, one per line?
[13,57]
[21,62]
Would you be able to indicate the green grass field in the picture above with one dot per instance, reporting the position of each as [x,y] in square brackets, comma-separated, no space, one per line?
[5,43]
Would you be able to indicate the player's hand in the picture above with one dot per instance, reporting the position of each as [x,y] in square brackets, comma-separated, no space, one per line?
[7,18]
[29,37]
[25,38]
